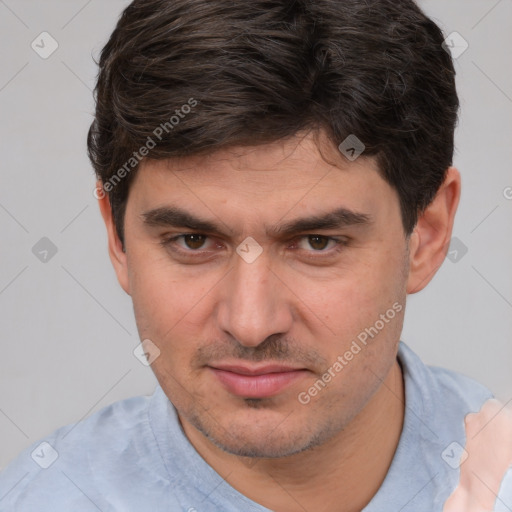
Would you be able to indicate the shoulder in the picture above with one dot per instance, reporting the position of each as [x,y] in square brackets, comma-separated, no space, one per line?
[467,429]
[68,467]
[441,390]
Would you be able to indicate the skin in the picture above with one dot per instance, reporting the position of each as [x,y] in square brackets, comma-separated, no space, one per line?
[487,457]
[302,302]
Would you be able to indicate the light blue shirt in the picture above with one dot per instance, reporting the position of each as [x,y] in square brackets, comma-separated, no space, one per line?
[134,456]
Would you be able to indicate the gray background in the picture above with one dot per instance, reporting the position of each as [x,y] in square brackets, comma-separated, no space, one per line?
[67,328]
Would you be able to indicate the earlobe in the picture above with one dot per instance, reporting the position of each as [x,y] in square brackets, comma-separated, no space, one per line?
[115,247]
[429,242]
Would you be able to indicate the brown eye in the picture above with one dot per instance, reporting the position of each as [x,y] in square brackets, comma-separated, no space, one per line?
[194,241]
[318,242]
[319,245]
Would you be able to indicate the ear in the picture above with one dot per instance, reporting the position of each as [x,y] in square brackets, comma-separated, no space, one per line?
[115,247]
[430,239]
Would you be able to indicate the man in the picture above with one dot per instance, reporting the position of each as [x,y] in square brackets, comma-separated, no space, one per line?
[275,177]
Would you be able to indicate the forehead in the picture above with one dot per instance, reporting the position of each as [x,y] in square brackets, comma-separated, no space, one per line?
[275,179]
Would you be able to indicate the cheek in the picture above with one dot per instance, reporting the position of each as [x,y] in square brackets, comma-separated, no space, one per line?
[163,295]
[382,280]
[356,298]
[162,307]
[173,309]
[362,316]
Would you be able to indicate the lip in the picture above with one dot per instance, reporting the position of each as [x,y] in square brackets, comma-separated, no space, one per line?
[256,382]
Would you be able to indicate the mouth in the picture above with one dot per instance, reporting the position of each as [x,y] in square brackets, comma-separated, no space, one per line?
[256,381]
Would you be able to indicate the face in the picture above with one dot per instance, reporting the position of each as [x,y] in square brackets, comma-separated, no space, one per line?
[273,283]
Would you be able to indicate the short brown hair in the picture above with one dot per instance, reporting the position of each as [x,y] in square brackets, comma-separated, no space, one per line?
[262,70]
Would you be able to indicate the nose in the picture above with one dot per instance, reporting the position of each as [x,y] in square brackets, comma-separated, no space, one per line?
[256,303]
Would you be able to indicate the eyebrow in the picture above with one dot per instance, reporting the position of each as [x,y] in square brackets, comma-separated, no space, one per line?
[176,217]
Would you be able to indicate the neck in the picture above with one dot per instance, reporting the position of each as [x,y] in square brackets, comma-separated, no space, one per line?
[348,469]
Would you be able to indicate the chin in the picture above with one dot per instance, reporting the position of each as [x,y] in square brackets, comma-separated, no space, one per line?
[262,448]
[263,437]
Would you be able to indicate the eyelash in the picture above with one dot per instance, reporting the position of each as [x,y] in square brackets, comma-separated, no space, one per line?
[169,243]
